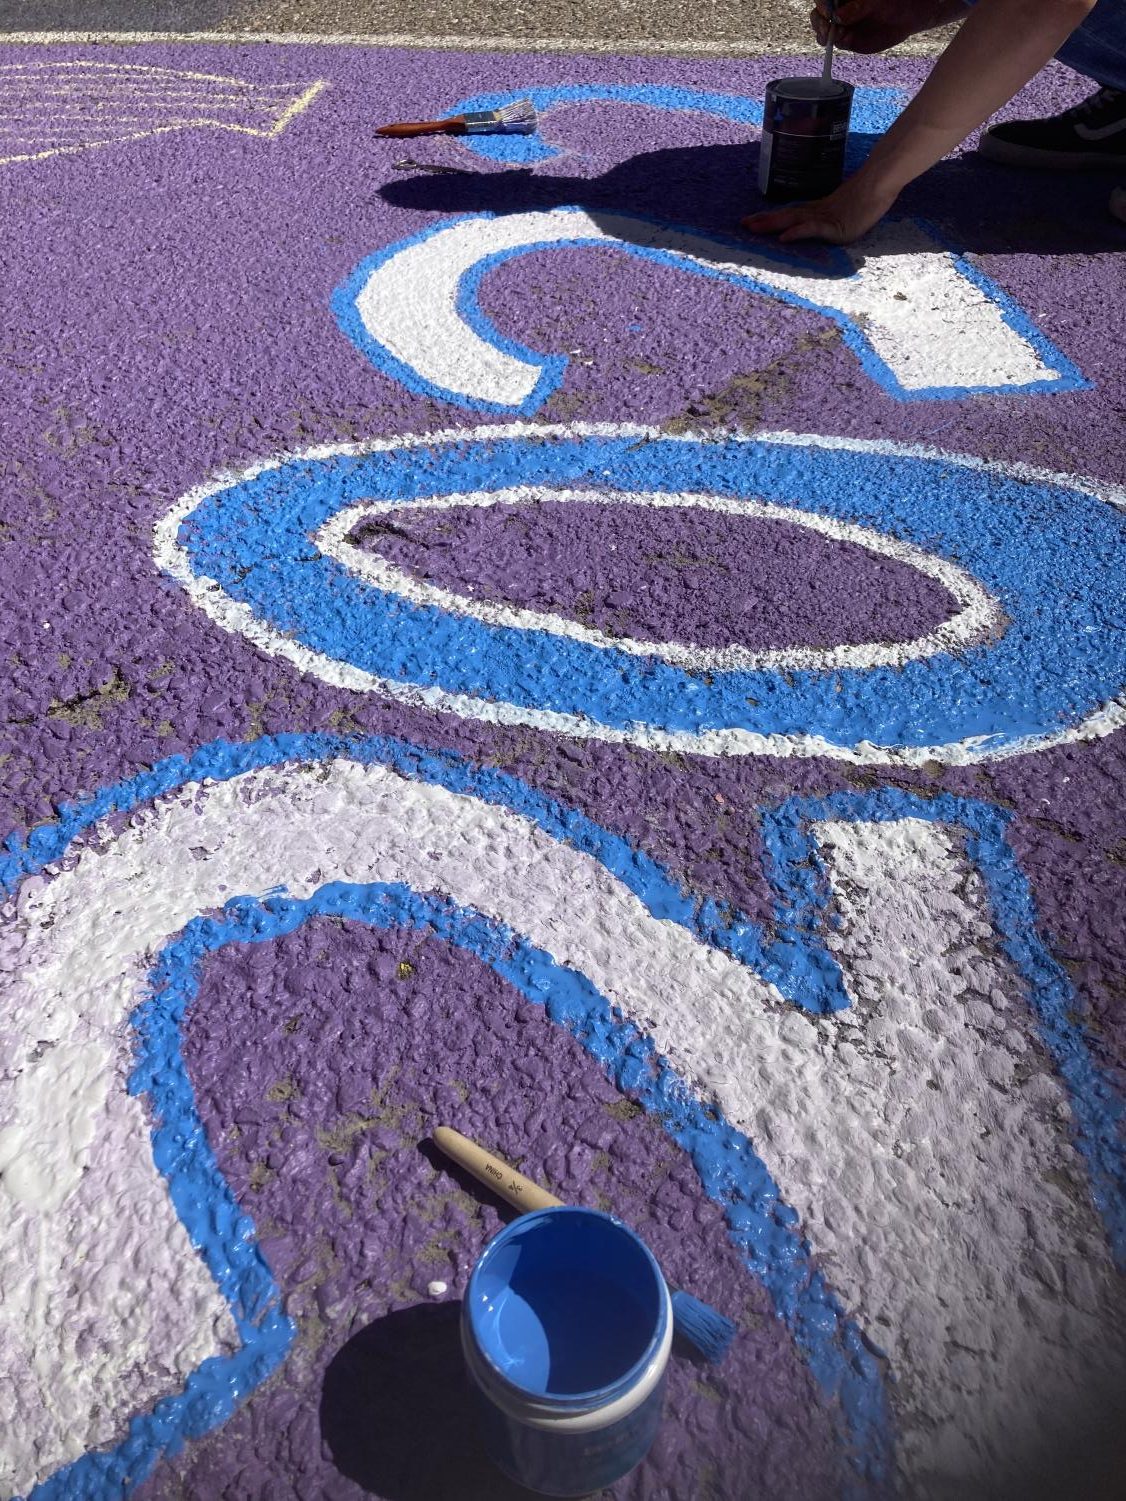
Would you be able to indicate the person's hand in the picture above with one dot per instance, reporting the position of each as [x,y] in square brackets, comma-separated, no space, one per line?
[871,25]
[843,216]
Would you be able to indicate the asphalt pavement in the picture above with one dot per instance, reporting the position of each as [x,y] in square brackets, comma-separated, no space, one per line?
[721,26]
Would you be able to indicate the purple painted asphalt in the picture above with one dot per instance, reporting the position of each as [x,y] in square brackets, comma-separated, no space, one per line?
[356,1222]
[164,313]
[704,580]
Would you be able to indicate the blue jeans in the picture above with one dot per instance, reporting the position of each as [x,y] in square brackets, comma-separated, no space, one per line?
[1097,49]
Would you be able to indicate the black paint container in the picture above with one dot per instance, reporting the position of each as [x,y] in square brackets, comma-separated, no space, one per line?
[804,129]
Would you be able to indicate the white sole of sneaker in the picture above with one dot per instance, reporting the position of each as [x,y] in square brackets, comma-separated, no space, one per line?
[1009,154]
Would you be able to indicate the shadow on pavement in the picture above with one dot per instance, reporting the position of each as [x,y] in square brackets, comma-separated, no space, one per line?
[972,204]
[397,1413]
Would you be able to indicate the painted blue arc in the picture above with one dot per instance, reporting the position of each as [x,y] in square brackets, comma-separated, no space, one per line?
[731,1173]
[825,264]
[800,883]
[873,111]
[1049,554]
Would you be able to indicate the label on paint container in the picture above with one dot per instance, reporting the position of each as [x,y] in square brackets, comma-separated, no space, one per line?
[765,152]
[566,1464]
[805,128]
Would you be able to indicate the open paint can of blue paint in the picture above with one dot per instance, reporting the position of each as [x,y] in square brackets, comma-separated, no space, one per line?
[804,131]
[566,1327]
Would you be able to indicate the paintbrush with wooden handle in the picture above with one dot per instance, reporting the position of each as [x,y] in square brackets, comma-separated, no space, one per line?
[704,1327]
[511,119]
[827,62]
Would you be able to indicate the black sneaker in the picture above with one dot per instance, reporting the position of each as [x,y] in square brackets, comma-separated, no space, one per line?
[1091,134]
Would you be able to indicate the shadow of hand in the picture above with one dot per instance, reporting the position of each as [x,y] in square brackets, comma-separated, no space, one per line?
[973,204]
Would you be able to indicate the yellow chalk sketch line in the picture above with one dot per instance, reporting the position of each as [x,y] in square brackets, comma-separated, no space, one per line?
[96,110]
[137,135]
[49,97]
[130,70]
[296,108]
[270,132]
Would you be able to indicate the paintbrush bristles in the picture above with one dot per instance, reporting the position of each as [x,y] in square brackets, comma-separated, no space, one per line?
[520,112]
[510,120]
[518,118]
[703,1326]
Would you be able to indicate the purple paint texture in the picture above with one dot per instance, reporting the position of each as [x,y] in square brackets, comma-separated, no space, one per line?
[695,577]
[364,1041]
[164,312]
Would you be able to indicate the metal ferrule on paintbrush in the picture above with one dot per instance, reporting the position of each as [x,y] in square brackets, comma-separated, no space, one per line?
[511,119]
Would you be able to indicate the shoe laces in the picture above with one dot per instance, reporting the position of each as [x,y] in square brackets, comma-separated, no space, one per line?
[1098,104]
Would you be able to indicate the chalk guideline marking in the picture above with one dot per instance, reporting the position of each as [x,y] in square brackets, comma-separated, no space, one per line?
[58,108]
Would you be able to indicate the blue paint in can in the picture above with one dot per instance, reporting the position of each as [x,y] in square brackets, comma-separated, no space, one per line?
[804,133]
[566,1328]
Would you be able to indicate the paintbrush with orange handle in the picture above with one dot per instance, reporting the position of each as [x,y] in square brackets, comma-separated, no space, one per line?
[511,119]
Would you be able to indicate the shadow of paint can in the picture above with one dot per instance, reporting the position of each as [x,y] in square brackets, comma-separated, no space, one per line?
[804,130]
[566,1330]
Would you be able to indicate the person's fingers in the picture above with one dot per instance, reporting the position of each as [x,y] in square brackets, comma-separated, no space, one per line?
[854,13]
[820,28]
[824,8]
[857,39]
[771,221]
[812,227]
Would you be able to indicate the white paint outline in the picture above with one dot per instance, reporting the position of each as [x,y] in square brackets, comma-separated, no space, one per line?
[978,617]
[865,1133]
[239,620]
[412,41]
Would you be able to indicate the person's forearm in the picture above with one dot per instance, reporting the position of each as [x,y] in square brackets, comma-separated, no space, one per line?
[943,12]
[1001,45]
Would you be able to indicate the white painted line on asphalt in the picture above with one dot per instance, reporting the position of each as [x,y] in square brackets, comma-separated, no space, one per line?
[749,46]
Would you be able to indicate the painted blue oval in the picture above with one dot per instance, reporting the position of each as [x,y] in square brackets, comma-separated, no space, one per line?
[1052,555]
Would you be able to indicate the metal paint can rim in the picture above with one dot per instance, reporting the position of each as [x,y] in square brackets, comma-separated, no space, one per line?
[809,90]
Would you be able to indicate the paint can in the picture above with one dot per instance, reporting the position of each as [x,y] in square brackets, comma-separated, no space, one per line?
[566,1328]
[804,130]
